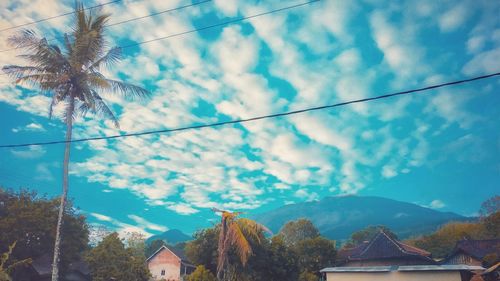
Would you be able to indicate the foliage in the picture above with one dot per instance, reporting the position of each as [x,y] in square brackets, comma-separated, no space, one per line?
[30,219]
[136,244]
[442,242]
[271,259]
[315,253]
[490,206]
[234,234]
[6,270]
[110,260]
[203,249]
[368,234]
[153,247]
[295,231]
[73,78]
[201,274]
[307,276]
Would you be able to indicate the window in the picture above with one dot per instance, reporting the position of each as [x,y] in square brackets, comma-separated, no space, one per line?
[163,272]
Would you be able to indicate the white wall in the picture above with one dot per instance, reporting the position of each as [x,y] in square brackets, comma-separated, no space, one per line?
[395,276]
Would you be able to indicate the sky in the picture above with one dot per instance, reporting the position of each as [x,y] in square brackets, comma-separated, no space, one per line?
[439,149]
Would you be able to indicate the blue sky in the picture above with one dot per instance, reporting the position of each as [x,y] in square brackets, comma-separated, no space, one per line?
[440,149]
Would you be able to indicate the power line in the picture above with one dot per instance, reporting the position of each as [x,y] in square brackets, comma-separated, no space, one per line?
[124,21]
[423,89]
[213,25]
[58,16]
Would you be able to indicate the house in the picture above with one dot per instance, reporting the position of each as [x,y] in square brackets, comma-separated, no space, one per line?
[473,252]
[402,273]
[385,258]
[383,250]
[41,270]
[169,264]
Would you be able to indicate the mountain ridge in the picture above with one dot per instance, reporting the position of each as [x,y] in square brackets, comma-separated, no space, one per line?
[337,217]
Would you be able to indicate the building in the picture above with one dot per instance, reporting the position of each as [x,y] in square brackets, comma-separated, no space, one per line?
[385,258]
[169,264]
[383,250]
[401,273]
[473,252]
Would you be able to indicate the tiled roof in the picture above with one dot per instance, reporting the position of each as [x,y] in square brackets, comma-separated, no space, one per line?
[382,246]
[478,248]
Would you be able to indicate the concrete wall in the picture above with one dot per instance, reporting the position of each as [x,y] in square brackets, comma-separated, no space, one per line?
[395,276]
[165,260]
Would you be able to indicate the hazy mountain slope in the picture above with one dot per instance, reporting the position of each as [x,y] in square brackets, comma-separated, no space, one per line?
[338,217]
[172,236]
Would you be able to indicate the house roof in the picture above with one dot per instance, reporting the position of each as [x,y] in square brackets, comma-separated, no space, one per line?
[459,267]
[477,248]
[382,246]
[179,253]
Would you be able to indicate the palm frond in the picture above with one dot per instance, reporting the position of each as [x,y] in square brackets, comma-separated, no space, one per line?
[237,239]
[16,71]
[128,90]
[252,228]
[111,57]
[24,39]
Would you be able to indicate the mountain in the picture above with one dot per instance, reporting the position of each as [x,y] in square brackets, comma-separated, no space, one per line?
[172,236]
[338,217]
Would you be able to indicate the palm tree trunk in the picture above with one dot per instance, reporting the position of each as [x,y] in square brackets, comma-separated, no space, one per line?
[62,206]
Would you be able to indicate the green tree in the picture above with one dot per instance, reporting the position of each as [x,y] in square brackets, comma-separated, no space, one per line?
[442,242]
[29,219]
[202,250]
[110,260]
[5,268]
[282,261]
[234,235]
[201,274]
[136,244]
[307,276]
[153,247]
[491,225]
[490,206]
[74,78]
[368,234]
[315,253]
[295,231]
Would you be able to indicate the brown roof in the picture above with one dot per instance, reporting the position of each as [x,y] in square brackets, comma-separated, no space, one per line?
[477,248]
[382,246]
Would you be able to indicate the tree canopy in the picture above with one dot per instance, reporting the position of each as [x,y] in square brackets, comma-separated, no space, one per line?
[30,220]
[110,260]
[295,231]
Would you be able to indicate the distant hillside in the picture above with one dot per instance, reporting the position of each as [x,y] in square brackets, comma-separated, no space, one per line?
[172,236]
[338,217]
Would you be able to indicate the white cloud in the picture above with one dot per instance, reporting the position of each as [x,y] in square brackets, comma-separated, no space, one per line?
[453,18]
[436,204]
[183,209]
[388,171]
[147,224]
[32,152]
[482,63]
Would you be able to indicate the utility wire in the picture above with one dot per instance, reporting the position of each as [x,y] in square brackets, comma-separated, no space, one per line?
[211,26]
[124,21]
[58,16]
[162,131]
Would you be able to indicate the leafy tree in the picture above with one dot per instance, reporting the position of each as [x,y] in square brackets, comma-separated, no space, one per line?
[295,231]
[153,247]
[490,206]
[74,78]
[29,219]
[315,253]
[234,233]
[202,249]
[136,244]
[491,225]
[442,242]
[368,234]
[5,269]
[109,260]
[282,261]
[307,276]
[201,274]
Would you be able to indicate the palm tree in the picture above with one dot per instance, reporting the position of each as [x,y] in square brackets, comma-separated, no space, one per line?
[71,77]
[233,234]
